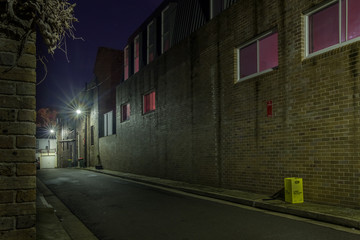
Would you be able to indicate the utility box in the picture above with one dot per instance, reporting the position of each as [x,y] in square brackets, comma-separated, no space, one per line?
[293,190]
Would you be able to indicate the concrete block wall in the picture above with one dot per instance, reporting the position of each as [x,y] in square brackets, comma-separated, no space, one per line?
[210,129]
[166,142]
[17,141]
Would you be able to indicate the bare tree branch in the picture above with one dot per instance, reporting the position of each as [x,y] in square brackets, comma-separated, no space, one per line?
[52,18]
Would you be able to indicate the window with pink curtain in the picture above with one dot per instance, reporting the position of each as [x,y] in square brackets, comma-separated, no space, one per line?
[326,27]
[136,54]
[126,62]
[149,102]
[353,19]
[248,60]
[268,52]
[266,49]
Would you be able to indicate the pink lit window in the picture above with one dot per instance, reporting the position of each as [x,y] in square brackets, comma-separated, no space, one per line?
[149,102]
[136,54]
[324,28]
[259,56]
[353,19]
[268,52]
[248,60]
[125,112]
[126,62]
[327,28]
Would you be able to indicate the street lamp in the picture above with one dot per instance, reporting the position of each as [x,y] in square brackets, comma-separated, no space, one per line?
[52,131]
[78,112]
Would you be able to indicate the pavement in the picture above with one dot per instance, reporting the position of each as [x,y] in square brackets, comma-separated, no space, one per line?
[55,221]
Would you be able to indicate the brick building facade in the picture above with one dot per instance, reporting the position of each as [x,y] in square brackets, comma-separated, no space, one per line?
[252,96]
[17,139]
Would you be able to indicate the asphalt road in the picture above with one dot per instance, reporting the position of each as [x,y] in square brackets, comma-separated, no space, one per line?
[116,209]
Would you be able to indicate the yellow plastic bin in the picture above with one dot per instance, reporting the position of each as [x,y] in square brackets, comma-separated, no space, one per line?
[294,190]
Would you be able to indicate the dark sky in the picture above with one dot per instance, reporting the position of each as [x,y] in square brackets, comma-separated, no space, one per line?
[106,23]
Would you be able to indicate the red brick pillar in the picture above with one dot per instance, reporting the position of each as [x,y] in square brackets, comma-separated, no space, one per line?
[17,140]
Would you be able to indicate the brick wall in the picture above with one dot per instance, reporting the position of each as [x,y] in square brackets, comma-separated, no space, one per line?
[313,132]
[17,141]
[210,129]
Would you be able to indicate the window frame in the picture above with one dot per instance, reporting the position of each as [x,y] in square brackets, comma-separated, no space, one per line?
[137,58]
[108,124]
[225,4]
[127,105]
[148,46]
[257,39]
[317,9]
[221,4]
[126,62]
[162,30]
[143,102]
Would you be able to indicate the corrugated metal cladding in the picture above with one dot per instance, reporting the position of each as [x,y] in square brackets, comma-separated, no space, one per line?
[228,3]
[191,15]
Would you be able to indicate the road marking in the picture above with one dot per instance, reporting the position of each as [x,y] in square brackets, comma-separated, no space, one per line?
[44,201]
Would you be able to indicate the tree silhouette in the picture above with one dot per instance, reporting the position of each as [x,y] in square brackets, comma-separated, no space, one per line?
[46,117]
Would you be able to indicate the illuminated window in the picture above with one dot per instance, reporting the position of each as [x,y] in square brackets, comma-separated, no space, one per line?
[136,54]
[126,62]
[108,123]
[332,24]
[150,42]
[149,102]
[125,112]
[258,56]
[165,33]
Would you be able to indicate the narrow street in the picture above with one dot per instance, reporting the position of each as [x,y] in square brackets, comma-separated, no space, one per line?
[113,208]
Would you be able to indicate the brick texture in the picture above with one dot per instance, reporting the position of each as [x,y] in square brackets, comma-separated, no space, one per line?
[26,169]
[25,142]
[209,128]
[6,223]
[17,141]
[6,197]
[25,221]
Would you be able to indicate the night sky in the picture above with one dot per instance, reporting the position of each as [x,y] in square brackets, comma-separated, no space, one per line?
[107,23]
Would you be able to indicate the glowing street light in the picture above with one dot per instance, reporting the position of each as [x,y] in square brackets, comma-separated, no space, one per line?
[78,112]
